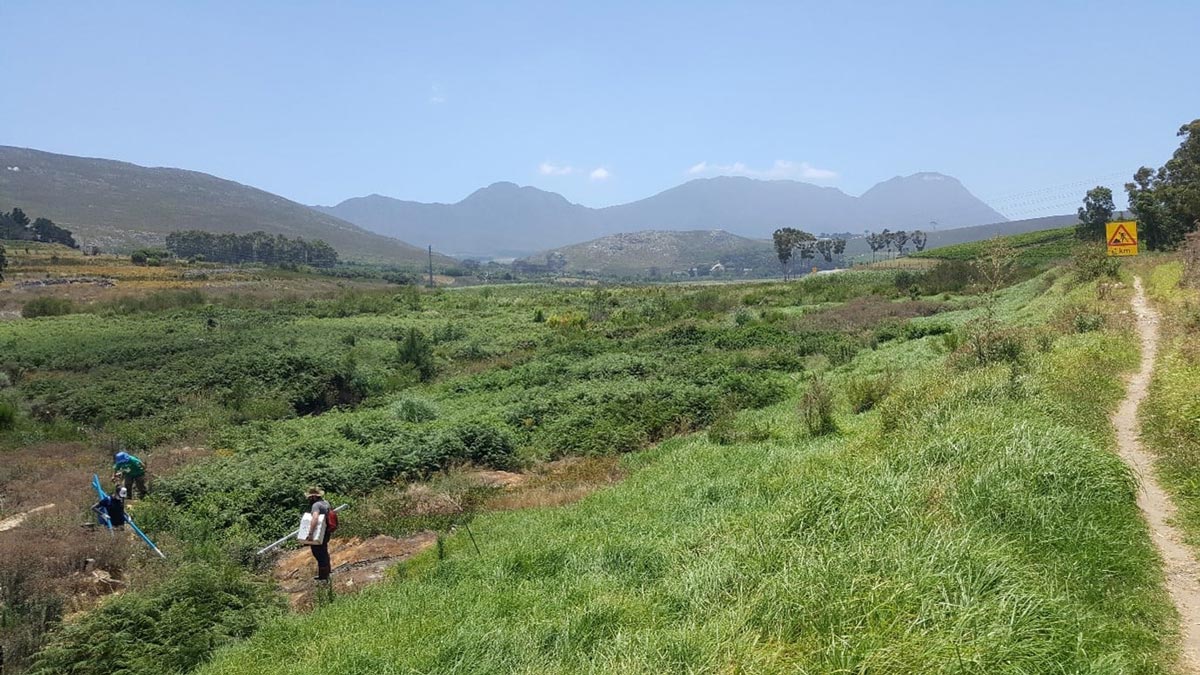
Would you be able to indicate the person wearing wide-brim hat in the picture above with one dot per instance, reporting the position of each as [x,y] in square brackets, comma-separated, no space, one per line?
[318,507]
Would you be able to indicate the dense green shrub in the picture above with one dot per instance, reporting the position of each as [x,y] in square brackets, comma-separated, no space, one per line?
[482,443]
[8,415]
[171,628]
[1087,321]
[948,276]
[414,410]
[47,306]
[414,351]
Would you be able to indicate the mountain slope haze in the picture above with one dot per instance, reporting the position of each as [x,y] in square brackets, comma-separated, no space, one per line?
[504,219]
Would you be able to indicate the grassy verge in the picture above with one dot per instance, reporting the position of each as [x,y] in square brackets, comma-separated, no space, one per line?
[975,521]
[1171,413]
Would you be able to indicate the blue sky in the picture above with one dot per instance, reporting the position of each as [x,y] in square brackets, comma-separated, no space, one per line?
[1026,102]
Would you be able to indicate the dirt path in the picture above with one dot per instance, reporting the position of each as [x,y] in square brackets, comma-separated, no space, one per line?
[1182,571]
[15,521]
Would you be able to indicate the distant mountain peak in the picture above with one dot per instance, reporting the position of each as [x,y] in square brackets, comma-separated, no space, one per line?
[509,219]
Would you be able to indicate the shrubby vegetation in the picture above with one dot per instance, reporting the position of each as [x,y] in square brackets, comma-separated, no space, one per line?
[47,306]
[868,550]
[170,628]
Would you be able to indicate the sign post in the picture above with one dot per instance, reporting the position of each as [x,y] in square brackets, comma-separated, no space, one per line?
[1121,236]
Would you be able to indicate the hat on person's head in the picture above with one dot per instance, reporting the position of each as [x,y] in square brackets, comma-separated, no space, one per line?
[121,456]
[314,492]
[122,493]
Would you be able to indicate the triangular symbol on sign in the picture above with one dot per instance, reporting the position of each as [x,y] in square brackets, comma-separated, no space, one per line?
[1121,237]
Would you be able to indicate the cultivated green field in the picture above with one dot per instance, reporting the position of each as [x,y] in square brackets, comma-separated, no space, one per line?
[1032,248]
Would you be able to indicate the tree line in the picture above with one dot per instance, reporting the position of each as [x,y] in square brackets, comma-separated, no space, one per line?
[898,241]
[1165,202]
[16,225]
[790,242]
[255,247]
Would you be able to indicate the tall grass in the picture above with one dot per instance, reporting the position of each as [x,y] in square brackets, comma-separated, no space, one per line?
[983,533]
[1171,413]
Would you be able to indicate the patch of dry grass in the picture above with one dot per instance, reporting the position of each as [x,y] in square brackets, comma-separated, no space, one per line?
[557,483]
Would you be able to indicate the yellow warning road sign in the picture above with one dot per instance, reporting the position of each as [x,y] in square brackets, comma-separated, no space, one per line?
[1121,236]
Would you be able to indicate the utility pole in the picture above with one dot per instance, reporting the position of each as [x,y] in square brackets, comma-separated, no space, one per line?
[431,265]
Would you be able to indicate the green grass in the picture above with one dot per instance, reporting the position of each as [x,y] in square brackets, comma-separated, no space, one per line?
[1171,413]
[973,520]
[991,529]
[1033,248]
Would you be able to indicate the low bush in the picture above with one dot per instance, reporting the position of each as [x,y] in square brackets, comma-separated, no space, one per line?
[866,391]
[170,628]
[987,342]
[157,301]
[817,408]
[1091,262]
[414,410]
[8,415]
[1087,321]
[47,306]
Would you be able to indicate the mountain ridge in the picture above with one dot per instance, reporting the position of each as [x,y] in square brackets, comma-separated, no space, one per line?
[506,218]
[120,206]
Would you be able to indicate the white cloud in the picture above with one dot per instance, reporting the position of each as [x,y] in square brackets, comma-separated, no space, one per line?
[437,95]
[781,169]
[552,169]
[599,173]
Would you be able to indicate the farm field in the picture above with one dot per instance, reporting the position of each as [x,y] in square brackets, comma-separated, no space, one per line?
[827,474]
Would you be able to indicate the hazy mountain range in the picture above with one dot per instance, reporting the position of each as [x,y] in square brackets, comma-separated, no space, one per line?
[120,206]
[504,218]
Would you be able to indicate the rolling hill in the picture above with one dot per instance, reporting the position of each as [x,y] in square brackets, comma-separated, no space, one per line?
[657,253]
[120,206]
[506,219]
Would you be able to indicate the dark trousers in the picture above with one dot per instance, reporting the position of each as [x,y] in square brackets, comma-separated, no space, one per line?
[135,481]
[321,555]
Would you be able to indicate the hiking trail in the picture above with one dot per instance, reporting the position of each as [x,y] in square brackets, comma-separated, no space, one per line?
[1179,564]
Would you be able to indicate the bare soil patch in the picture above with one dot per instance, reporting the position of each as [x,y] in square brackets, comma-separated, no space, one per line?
[357,563]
